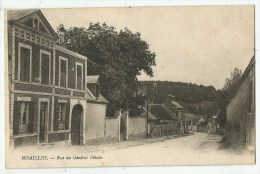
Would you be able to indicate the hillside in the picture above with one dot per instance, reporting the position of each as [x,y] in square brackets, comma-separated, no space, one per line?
[196,99]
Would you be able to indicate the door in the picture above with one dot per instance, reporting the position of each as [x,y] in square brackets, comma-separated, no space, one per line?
[76,125]
[43,116]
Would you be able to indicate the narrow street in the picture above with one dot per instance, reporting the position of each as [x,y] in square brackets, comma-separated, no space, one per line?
[196,149]
[192,149]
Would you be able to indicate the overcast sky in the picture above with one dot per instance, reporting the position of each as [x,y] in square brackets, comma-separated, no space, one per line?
[193,44]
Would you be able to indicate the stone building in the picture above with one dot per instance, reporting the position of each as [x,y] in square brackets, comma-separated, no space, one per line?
[240,111]
[52,100]
[49,102]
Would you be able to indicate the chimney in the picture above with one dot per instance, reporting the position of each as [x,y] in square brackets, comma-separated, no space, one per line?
[170,97]
[61,33]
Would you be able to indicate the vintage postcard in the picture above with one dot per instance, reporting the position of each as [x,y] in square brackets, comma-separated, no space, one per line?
[130,86]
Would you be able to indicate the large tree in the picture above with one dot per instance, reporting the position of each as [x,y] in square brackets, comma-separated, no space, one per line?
[118,57]
[226,93]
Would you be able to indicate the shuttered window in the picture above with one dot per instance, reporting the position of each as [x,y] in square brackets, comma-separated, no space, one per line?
[25,62]
[63,72]
[61,118]
[79,76]
[23,120]
[45,68]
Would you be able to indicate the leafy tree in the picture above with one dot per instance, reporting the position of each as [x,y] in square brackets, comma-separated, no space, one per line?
[225,94]
[232,81]
[118,57]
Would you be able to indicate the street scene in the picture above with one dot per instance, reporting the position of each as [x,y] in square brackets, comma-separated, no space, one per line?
[113,87]
[178,149]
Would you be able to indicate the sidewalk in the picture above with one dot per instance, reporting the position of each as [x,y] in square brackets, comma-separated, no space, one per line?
[102,147]
[124,144]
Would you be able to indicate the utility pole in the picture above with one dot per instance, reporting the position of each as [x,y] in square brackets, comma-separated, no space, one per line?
[147,112]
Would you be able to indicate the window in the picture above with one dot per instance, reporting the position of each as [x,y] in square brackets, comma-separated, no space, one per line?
[45,64]
[36,24]
[63,75]
[24,112]
[24,62]
[79,76]
[251,98]
[62,115]
[23,117]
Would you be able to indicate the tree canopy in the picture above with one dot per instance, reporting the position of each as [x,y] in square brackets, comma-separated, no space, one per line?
[118,57]
[196,99]
[225,94]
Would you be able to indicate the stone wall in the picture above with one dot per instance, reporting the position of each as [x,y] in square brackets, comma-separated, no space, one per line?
[112,127]
[95,122]
[240,118]
[137,127]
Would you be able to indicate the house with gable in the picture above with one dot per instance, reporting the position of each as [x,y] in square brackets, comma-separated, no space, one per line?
[49,100]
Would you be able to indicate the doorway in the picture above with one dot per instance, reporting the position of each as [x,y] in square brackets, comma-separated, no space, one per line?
[76,125]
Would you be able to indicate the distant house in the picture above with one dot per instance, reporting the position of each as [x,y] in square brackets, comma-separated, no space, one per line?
[240,111]
[177,110]
[170,114]
[152,120]
[174,107]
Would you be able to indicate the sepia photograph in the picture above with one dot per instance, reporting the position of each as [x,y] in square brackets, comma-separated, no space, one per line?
[130,86]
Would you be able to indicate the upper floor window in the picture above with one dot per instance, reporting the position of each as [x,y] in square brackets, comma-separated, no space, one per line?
[24,62]
[63,72]
[36,24]
[45,64]
[79,76]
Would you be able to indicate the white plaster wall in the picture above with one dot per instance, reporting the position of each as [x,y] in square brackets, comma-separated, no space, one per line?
[136,125]
[95,120]
[112,127]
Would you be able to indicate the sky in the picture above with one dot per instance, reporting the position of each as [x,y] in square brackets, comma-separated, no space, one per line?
[197,44]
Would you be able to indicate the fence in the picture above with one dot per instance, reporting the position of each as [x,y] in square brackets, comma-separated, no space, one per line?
[164,130]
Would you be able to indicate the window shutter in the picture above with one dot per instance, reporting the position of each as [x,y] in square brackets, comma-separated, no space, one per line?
[16,118]
[31,118]
[56,117]
[67,116]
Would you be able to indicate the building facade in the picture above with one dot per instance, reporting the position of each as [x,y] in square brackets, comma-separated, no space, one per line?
[240,111]
[47,84]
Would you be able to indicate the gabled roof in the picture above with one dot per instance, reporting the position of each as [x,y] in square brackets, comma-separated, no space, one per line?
[161,112]
[13,15]
[92,98]
[172,105]
[17,15]
[92,79]
[177,105]
[150,115]
[65,50]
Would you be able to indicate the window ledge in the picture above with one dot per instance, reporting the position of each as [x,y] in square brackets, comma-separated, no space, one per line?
[59,131]
[25,135]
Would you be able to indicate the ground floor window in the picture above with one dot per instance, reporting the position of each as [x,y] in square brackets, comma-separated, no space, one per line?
[62,115]
[23,120]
